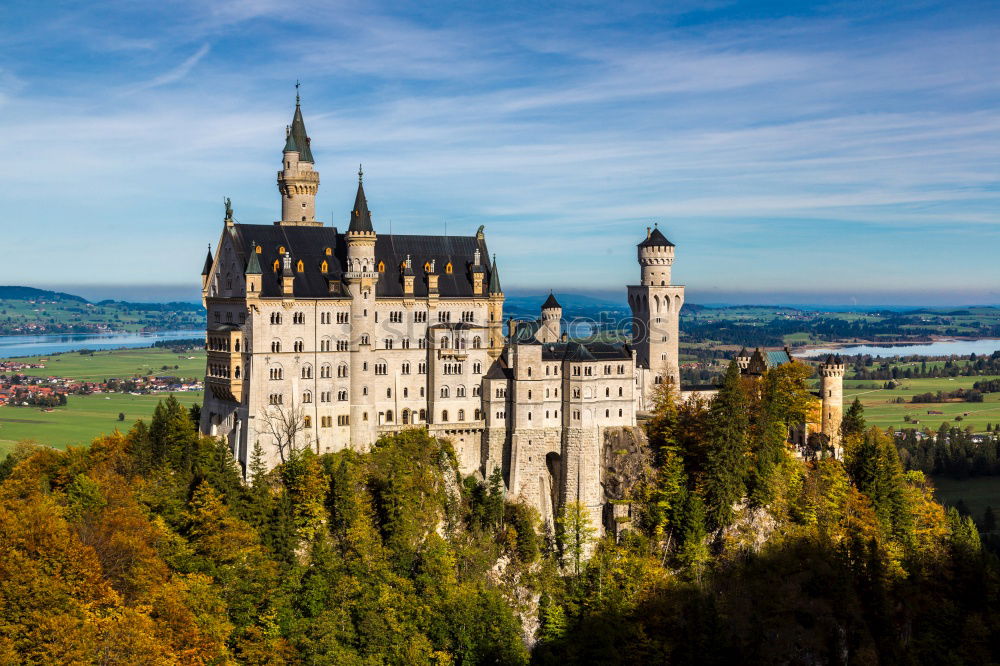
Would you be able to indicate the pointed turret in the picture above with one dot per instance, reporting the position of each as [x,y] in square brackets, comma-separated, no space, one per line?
[208,263]
[495,278]
[361,219]
[298,140]
[551,302]
[297,180]
[253,266]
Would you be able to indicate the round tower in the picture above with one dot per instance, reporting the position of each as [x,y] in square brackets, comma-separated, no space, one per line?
[656,256]
[361,277]
[297,180]
[831,385]
[656,306]
[551,327]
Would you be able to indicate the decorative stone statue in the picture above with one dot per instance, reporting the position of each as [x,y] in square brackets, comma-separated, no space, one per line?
[229,209]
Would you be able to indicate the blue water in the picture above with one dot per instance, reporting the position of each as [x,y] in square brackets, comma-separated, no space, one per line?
[938,348]
[35,345]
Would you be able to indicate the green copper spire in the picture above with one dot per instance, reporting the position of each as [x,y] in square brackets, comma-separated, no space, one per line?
[495,278]
[253,266]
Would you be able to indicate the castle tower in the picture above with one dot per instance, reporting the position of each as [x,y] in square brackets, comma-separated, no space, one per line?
[656,307]
[495,307]
[551,320]
[360,279]
[297,180]
[743,359]
[831,384]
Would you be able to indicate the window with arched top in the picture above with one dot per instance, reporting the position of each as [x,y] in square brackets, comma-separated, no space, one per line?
[381,267]
[427,267]
[299,267]
[448,268]
[281,249]
[444,415]
[259,249]
[324,267]
[277,265]
[328,252]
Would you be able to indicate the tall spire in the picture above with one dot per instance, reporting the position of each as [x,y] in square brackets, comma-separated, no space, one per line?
[297,139]
[361,218]
[208,262]
[495,278]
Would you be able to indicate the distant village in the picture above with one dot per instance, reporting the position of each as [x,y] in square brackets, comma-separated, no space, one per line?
[20,390]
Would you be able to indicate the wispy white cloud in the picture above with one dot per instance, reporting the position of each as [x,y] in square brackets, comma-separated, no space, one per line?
[783,135]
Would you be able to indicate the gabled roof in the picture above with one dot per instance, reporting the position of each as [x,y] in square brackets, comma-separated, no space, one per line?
[551,302]
[297,137]
[656,239]
[361,219]
[208,262]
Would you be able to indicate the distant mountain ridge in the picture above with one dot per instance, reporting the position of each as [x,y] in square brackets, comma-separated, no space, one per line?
[14,292]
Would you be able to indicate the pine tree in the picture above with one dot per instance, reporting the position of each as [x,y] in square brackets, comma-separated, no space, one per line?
[768,443]
[726,465]
[853,422]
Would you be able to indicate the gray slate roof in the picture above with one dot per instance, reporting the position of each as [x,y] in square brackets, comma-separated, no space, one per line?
[309,244]
[656,239]
[297,137]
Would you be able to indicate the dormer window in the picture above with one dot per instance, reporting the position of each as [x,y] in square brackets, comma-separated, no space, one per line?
[259,249]
[281,249]
[277,265]
[427,267]
[324,267]
[448,268]
[299,267]
[328,252]
[381,267]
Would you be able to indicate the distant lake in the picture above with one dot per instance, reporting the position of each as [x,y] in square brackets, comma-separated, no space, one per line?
[37,345]
[938,348]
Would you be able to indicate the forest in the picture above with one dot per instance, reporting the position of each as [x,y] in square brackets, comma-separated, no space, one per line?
[147,547]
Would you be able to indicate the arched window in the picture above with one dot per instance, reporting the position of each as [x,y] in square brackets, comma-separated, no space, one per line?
[307,371]
[444,343]
[237,372]
[364,339]
[307,421]
[461,415]
[477,342]
[460,392]
[325,267]
[445,392]
[444,416]
[406,417]
[388,416]
[423,414]
[427,267]
[277,265]
[448,268]
[307,397]
[381,269]
[328,252]
[281,249]
[259,249]
[276,346]
[299,267]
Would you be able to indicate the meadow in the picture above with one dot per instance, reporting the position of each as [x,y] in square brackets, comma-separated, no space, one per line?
[882,412]
[120,363]
[83,418]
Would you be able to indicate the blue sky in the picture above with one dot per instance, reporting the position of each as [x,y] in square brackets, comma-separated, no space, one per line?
[836,152]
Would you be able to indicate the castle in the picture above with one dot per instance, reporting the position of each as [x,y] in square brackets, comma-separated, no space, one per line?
[326,339]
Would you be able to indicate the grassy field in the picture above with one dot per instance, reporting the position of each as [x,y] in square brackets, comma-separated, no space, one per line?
[121,363]
[978,492]
[83,418]
[880,411]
